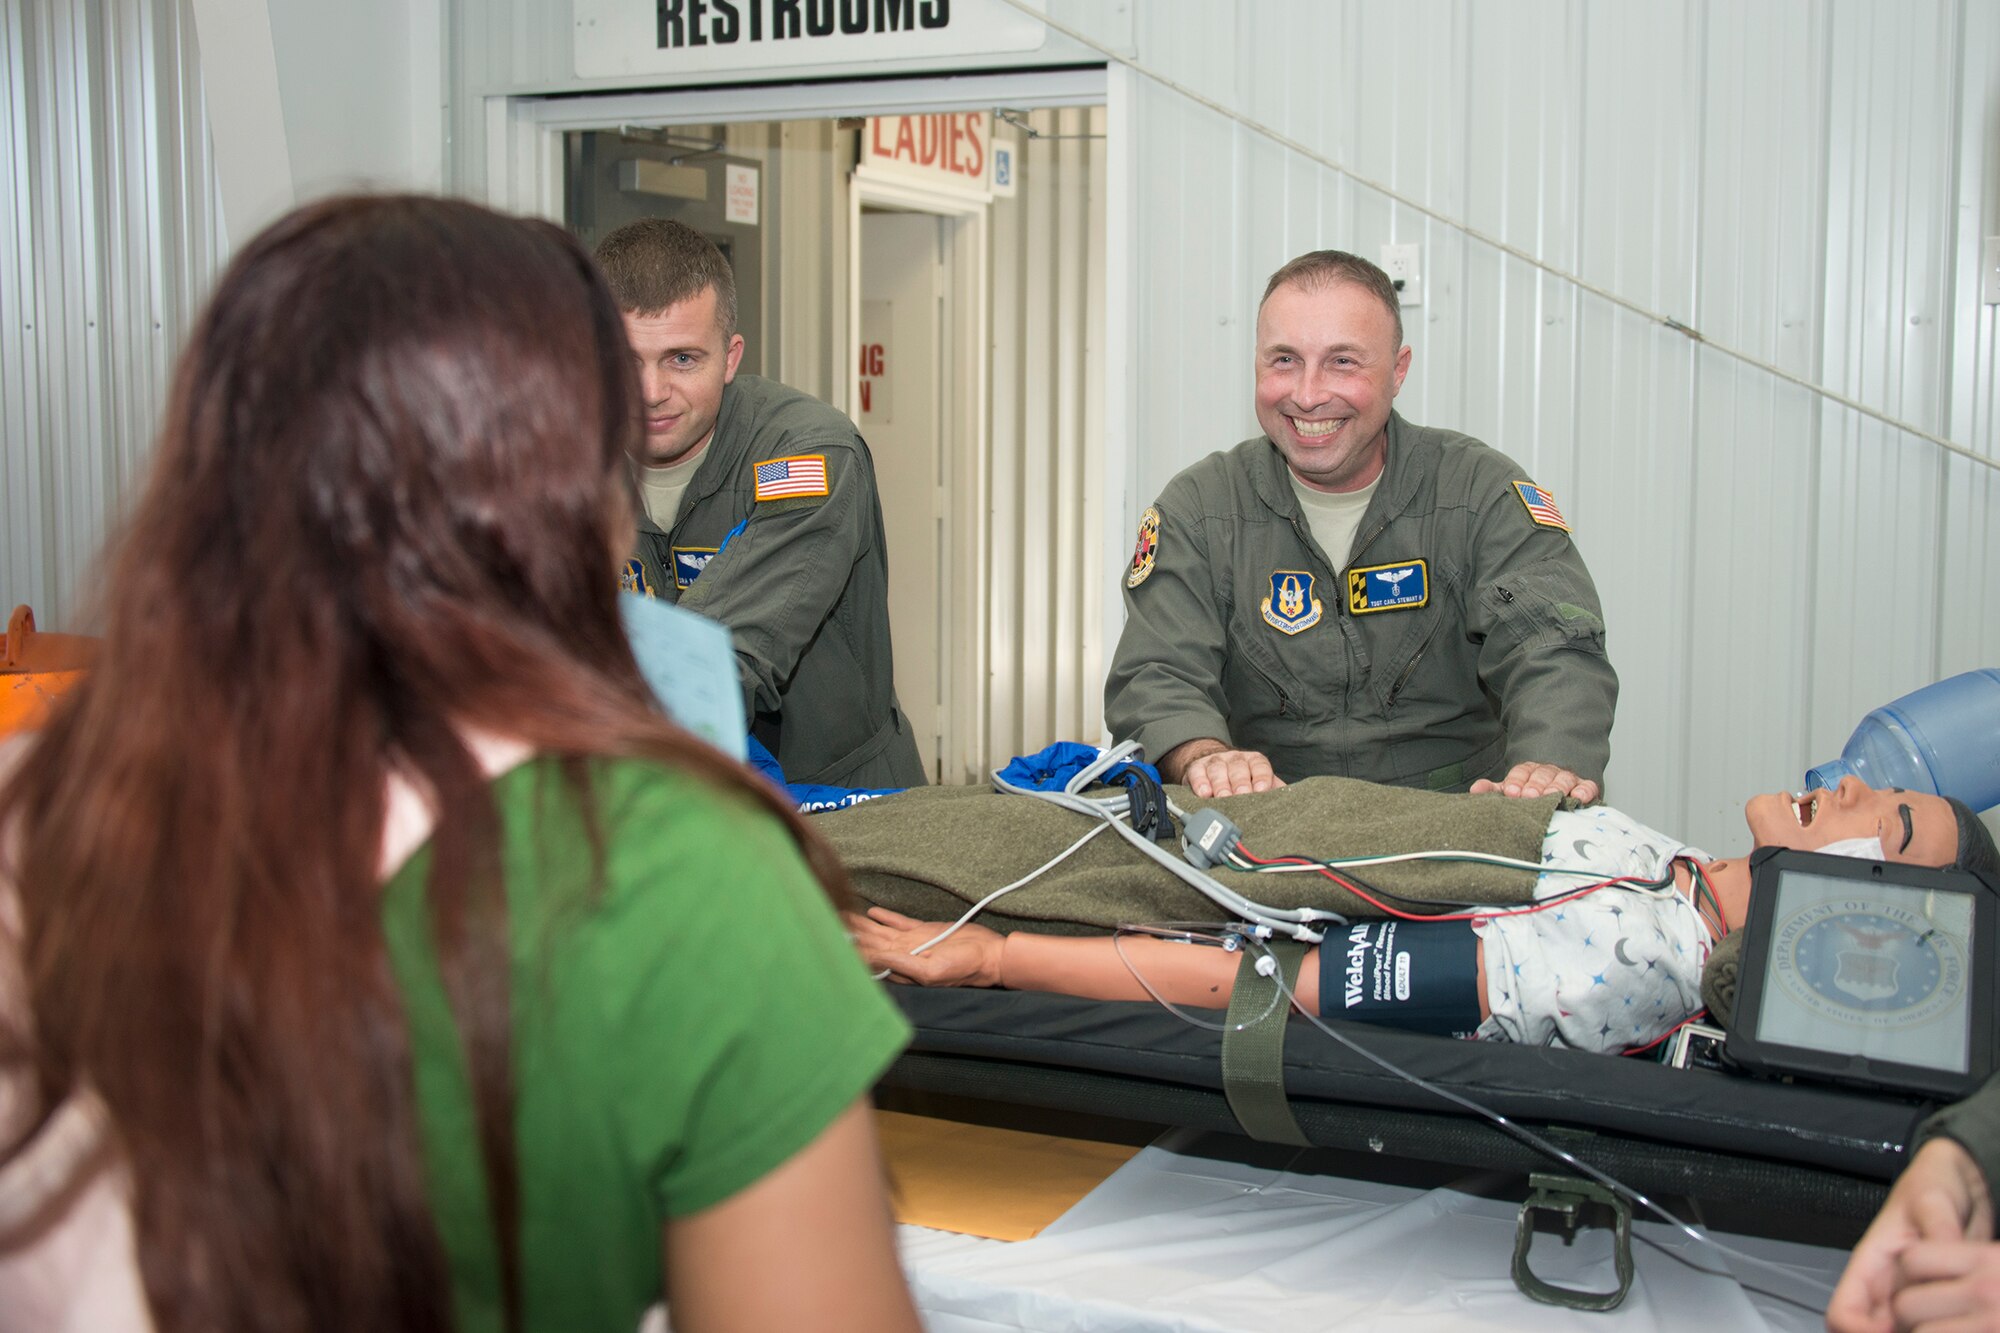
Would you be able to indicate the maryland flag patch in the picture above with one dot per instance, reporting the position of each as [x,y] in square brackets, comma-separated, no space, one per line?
[1148,547]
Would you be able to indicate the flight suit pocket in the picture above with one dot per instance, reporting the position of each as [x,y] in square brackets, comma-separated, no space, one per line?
[1545,607]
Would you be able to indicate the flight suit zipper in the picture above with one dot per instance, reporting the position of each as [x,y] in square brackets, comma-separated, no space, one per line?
[1284,700]
[1397,689]
[1410,668]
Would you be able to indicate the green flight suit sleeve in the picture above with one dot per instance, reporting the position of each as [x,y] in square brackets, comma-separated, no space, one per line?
[779,579]
[1534,612]
[1974,1125]
[1165,683]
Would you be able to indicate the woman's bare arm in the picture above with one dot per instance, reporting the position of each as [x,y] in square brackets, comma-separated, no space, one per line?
[811,1245]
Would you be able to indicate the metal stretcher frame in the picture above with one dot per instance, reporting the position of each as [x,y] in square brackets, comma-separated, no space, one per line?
[1667,1132]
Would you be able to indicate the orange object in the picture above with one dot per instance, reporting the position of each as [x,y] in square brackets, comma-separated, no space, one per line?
[36,668]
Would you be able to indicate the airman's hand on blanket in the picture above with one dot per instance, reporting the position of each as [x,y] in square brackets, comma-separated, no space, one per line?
[971,957]
[1213,769]
[1928,1257]
[1530,780]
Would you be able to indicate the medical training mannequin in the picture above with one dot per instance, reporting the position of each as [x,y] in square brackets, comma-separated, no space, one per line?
[353,951]
[1496,976]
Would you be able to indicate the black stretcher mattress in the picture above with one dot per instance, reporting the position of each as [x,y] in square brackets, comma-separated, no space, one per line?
[1680,1132]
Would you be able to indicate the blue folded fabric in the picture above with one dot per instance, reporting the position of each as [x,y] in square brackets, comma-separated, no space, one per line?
[811,797]
[1051,769]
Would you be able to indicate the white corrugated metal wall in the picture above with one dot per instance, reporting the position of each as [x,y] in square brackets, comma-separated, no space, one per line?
[113,232]
[1803,183]
[1045,598]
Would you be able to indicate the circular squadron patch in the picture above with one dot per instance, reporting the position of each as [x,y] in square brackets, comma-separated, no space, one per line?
[1148,547]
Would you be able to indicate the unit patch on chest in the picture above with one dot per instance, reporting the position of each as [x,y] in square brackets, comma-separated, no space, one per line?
[1401,586]
[689,561]
[1291,608]
[632,578]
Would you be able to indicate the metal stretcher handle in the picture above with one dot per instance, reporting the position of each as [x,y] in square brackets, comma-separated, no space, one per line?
[1565,1196]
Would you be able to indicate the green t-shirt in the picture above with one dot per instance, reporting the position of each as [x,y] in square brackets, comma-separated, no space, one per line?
[678,1033]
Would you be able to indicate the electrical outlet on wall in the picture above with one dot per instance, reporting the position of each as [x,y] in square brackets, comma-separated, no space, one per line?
[1403,264]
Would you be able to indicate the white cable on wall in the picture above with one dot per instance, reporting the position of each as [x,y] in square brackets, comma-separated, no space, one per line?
[1514,252]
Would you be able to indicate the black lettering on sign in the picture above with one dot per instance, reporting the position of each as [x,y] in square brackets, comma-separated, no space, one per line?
[727,23]
[684,23]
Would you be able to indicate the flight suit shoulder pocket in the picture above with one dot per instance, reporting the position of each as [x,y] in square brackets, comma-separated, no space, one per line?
[1547,605]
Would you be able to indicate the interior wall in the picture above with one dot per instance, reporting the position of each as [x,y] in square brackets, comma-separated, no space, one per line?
[1045,598]
[112,234]
[1802,184]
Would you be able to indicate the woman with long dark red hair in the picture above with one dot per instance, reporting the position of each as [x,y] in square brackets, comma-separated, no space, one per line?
[372,955]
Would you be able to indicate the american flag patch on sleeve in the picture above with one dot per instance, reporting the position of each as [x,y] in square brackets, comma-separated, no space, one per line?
[781,478]
[1541,505]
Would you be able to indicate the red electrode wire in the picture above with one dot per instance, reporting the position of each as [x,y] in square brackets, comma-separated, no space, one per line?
[1568,895]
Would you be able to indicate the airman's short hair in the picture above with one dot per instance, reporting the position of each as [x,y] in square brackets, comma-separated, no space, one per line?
[1319,269]
[656,262]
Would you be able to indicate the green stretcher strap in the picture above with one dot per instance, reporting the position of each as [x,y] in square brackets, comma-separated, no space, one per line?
[1253,1047]
[1566,1196]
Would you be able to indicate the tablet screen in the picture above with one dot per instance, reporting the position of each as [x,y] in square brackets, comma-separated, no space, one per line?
[1876,970]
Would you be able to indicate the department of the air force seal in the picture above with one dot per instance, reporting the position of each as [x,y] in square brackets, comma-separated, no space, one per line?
[1869,965]
[1291,607]
[1148,547]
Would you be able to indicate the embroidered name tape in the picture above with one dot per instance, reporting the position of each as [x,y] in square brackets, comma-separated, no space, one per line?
[782,478]
[689,561]
[1148,547]
[1291,608]
[1541,505]
[1401,586]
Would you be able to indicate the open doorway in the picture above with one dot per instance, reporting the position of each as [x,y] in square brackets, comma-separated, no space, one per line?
[919,400]
[985,410]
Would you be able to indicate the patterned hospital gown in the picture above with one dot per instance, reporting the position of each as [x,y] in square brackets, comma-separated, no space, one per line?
[1608,971]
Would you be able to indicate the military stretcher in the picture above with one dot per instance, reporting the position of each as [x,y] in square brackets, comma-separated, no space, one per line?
[1705,1134]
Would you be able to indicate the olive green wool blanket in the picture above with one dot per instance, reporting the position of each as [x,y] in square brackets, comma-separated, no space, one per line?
[933,851]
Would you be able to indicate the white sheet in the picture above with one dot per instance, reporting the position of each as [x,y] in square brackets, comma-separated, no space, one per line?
[1178,1242]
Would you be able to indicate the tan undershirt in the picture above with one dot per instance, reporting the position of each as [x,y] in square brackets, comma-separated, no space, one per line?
[1334,517]
[661,488]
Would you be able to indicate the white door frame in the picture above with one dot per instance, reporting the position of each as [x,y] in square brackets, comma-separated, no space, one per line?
[524,135]
[963,413]
[524,174]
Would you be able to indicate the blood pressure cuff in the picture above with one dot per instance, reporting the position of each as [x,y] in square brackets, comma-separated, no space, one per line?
[1422,976]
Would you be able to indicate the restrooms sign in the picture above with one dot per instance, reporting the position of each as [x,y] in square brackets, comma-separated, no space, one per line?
[625,37]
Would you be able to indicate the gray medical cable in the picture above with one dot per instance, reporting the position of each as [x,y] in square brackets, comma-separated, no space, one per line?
[990,898]
[1296,922]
